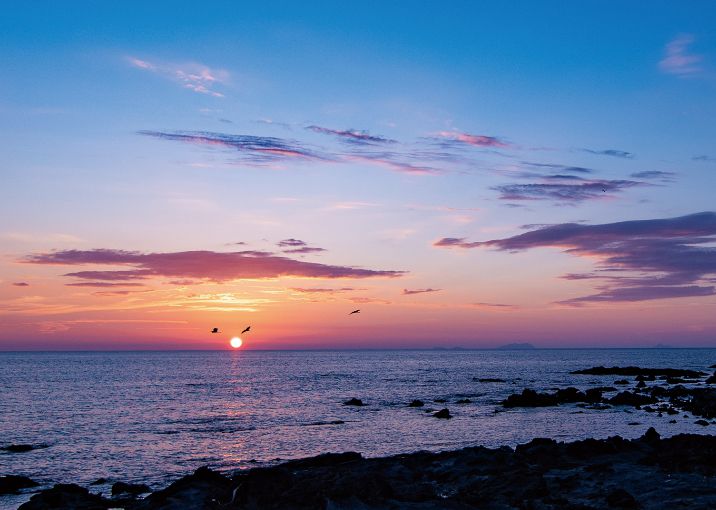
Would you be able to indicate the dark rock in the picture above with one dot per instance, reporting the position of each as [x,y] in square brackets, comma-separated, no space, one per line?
[205,489]
[464,401]
[440,400]
[651,372]
[66,496]
[99,481]
[712,379]
[129,488]
[627,398]
[621,381]
[443,413]
[416,403]
[619,498]
[11,484]
[21,448]
[641,384]
[634,423]
[672,421]
[487,379]
[701,422]
[354,402]
[651,435]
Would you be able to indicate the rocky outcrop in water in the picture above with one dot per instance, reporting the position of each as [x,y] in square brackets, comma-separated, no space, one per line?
[651,372]
[12,484]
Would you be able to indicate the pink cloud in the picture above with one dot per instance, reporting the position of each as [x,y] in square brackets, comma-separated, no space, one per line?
[202,265]
[677,60]
[21,284]
[193,76]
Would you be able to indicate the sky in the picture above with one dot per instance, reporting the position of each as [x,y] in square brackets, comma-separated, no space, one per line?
[466,174]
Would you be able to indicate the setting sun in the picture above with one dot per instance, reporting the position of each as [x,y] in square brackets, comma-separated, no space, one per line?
[236,342]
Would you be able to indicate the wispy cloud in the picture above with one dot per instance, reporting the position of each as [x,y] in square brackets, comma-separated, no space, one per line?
[563,189]
[323,290]
[410,292]
[200,265]
[638,260]
[474,140]
[193,76]
[257,149]
[291,243]
[611,152]
[21,284]
[298,246]
[104,284]
[655,174]
[351,135]
[704,158]
[500,307]
[677,59]
[560,168]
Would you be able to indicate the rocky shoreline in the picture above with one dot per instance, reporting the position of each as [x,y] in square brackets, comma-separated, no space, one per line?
[649,473]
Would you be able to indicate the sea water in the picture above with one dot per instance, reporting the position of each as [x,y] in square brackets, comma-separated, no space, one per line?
[152,417]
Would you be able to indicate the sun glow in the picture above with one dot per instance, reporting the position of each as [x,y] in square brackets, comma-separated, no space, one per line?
[236,342]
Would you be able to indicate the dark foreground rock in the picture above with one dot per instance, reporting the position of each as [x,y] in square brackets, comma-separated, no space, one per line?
[648,473]
[66,496]
[12,484]
[354,402]
[649,372]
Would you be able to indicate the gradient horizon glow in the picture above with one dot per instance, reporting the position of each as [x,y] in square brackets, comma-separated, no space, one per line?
[466,175]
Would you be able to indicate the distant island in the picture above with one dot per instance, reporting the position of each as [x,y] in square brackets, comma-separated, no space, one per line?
[517,347]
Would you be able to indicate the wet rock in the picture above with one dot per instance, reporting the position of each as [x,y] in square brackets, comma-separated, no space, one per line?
[443,413]
[133,489]
[487,379]
[644,372]
[619,498]
[712,379]
[651,435]
[11,484]
[641,384]
[416,403]
[703,423]
[66,496]
[621,381]
[99,481]
[354,402]
[440,400]
[464,401]
[21,448]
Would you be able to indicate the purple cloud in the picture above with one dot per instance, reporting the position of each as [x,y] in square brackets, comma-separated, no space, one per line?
[474,140]
[670,256]
[255,149]
[563,188]
[21,284]
[351,135]
[304,250]
[291,242]
[410,292]
[611,152]
[655,174]
[201,265]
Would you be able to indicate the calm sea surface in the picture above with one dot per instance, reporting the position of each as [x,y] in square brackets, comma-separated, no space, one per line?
[155,416]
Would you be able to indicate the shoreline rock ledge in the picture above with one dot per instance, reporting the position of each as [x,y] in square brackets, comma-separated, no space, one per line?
[648,472]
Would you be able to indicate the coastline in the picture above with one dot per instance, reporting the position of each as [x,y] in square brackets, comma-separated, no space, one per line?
[648,472]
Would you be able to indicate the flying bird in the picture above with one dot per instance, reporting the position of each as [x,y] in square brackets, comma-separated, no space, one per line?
[248,328]
[354,311]
[215,330]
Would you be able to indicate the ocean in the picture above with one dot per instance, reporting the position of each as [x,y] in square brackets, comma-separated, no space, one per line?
[152,417]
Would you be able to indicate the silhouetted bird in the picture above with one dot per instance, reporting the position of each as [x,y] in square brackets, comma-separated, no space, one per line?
[354,311]
[246,330]
[215,330]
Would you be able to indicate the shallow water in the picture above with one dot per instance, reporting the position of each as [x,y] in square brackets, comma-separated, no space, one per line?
[155,416]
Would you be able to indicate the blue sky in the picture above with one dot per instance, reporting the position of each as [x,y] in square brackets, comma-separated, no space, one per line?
[169,128]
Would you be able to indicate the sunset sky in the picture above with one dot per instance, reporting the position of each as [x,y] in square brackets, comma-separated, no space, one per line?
[466,174]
